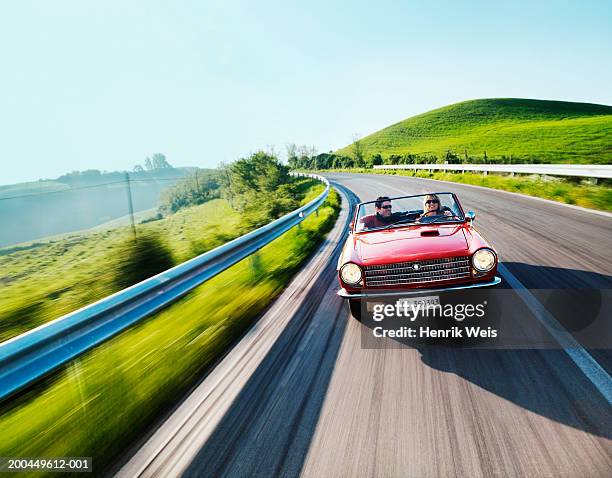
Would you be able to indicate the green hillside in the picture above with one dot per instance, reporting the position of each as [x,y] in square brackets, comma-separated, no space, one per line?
[548,131]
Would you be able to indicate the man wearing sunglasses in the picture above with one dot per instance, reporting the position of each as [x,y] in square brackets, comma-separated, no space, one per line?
[383,215]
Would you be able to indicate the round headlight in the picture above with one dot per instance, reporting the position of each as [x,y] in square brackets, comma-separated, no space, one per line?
[483,260]
[350,273]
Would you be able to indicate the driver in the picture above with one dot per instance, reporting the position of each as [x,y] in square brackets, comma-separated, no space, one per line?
[382,216]
[432,207]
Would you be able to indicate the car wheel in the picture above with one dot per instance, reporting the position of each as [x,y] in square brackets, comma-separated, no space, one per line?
[355,306]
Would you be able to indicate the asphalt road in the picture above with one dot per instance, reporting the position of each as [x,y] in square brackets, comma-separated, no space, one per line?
[300,395]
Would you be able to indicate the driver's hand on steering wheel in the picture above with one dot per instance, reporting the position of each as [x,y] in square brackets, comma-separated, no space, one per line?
[446,212]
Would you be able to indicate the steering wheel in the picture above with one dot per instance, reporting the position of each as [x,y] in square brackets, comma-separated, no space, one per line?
[429,219]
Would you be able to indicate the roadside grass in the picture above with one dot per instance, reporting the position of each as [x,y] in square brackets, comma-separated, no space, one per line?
[103,401]
[44,280]
[560,190]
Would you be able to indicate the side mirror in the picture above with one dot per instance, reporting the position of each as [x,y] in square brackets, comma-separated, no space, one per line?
[351,225]
[470,216]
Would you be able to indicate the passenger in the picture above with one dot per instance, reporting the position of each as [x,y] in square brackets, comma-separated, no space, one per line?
[432,207]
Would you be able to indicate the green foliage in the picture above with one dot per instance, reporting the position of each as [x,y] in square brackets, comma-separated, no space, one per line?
[358,154]
[499,130]
[260,173]
[102,402]
[157,161]
[259,187]
[299,157]
[375,160]
[195,189]
[139,258]
[324,161]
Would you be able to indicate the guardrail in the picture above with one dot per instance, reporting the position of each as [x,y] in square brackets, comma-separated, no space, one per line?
[28,357]
[600,171]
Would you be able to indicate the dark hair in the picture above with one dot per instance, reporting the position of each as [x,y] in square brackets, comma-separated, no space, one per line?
[380,200]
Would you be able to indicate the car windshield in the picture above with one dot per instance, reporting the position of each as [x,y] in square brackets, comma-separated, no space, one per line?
[406,210]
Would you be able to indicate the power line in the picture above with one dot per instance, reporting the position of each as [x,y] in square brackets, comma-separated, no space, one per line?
[91,186]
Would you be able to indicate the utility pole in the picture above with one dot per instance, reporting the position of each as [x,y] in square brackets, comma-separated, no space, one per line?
[130,205]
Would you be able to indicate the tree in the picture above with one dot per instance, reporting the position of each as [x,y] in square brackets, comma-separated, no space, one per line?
[194,189]
[304,151]
[292,155]
[358,153]
[376,160]
[259,186]
[138,168]
[159,161]
[450,157]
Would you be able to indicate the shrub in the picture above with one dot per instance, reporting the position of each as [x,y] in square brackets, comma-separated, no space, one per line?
[139,258]
[190,191]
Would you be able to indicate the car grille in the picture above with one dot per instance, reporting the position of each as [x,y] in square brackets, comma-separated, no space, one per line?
[405,273]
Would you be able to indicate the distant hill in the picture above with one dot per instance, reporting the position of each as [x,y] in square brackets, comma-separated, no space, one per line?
[549,131]
[76,201]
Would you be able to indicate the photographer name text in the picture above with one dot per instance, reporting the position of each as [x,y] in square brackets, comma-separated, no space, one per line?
[432,333]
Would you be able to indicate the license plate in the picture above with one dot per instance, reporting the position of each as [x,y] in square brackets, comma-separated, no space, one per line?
[425,302]
[412,304]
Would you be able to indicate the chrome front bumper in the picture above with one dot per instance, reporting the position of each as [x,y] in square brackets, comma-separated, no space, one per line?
[404,292]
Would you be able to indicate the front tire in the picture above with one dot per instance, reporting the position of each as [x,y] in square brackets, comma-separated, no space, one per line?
[355,306]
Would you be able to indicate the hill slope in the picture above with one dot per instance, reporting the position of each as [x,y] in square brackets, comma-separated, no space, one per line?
[550,131]
[75,202]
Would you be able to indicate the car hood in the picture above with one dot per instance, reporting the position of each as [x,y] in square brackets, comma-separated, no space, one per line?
[409,244]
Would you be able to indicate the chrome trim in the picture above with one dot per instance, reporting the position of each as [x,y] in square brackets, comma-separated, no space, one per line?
[422,264]
[401,292]
[446,278]
[428,270]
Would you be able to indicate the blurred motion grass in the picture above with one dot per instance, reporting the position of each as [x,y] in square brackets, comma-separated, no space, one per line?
[104,400]
[557,189]
[41,281]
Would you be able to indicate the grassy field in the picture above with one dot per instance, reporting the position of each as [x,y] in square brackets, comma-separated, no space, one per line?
[105,399]
[76,202]
[590,196]
[48,279]
[549,131]
[44,280]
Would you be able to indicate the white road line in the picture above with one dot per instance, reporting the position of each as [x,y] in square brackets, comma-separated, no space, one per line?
[583,360]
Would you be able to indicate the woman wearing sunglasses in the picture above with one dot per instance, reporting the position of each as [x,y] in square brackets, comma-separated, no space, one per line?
[432,207]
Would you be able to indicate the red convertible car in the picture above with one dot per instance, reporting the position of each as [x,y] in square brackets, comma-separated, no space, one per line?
[409,245]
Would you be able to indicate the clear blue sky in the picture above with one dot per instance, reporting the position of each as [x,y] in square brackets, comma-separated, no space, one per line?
[104,84]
